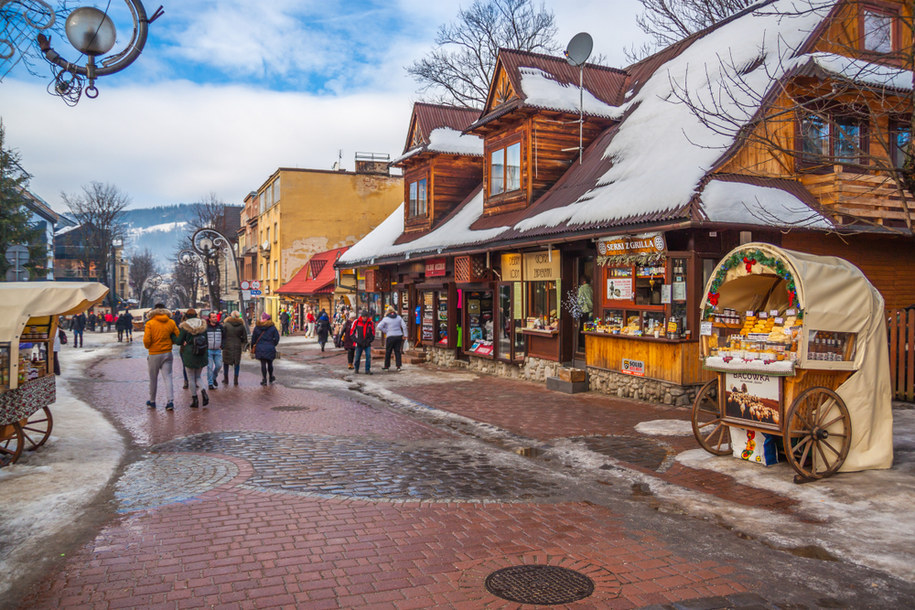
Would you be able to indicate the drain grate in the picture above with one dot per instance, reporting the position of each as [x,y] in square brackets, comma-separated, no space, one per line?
[539,584]
[290,408]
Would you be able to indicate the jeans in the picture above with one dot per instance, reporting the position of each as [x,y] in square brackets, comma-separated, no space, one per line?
[368,357]
[194,379]
[156,363]
[225,371]
[214,363]
[392,344]
[77,338]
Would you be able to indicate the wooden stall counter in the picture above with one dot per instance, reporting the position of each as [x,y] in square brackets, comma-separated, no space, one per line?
[675,361]
[542,343]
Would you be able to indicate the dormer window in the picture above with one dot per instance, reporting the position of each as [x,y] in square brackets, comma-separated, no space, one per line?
[505,169]
[419,202]
[878,30]
[831,139]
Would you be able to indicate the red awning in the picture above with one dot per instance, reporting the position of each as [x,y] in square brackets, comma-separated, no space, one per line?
[317,276]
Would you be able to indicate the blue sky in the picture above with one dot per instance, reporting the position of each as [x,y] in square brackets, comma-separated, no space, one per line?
[225,92]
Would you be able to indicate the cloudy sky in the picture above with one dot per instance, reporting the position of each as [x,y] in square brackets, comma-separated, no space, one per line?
[225,92]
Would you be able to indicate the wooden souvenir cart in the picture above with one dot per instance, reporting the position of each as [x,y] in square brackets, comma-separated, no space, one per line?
[28,325]
[798,344]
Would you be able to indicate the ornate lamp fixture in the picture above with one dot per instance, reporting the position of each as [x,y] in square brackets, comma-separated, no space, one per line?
[92,33]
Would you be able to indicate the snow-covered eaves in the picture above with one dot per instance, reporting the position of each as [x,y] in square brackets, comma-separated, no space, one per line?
[446,140]
[856,71]
[732,202]
[454,232]
[542,90]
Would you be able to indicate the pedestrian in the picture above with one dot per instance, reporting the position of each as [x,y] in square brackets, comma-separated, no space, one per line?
[235,338]
[363,334]
[310,323]
[119,326]
[215,339]
[284,322]
[394,329]
[177,317]
[346,339]
[264,340]
[128,325]
[59,339]
[322,328]
[78,325]
[192,340]
[91,321]
[109,320]
[159,335]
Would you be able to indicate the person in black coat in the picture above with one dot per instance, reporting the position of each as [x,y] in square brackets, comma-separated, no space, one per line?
[323,328]
[264,340]
[346,338]
[78,325]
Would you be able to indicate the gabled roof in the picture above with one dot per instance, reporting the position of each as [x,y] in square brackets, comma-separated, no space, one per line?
[543,81]
[317,276]
[439,128]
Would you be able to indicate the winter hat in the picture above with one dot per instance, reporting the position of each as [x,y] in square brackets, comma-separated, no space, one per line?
[352,315]
[191,313]
[265,316]
[390,309]
[365,313]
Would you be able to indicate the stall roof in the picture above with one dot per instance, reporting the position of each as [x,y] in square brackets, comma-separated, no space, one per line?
[20,301]
[317,276]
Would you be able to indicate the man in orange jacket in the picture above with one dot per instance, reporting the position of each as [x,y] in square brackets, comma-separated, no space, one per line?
[159,334]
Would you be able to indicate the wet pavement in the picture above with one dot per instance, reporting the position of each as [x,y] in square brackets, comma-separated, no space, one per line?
[414,490]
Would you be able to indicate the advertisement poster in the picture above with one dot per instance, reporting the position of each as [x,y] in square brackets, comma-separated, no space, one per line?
[619,288]
[679,291]
[633,367]
[753,396]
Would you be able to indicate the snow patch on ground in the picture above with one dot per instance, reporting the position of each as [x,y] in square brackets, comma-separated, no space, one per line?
[665,427]
[49,489]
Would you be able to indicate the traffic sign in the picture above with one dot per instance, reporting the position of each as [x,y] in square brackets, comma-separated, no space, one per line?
[245,285]
[255,284]
[255,293]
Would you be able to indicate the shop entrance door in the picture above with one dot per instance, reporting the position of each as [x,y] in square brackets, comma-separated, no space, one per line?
[584,281]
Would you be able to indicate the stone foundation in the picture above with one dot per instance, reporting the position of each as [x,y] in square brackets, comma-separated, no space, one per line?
[442,356]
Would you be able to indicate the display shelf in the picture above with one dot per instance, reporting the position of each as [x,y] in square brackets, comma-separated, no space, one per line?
[739,365]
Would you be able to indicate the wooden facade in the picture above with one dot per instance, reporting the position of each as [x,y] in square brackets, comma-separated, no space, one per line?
[450,178]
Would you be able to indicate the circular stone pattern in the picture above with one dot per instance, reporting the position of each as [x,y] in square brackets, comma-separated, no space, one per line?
[165,479]
[543,585]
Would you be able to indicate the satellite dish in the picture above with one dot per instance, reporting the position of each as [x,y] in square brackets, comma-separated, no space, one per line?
[579,49]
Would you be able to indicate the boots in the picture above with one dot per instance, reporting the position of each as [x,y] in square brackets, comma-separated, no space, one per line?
[235,380]
[225,378]
[194,403]
[205,397]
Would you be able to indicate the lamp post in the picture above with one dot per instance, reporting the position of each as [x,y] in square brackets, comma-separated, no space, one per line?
[93,34]
[208,242]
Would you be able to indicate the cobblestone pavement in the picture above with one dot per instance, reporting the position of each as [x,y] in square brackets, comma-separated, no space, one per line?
[305,495]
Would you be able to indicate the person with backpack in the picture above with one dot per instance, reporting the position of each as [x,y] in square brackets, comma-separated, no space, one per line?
[216,335]
[235,338]
[322,327]
[159,335]
[394,329]
[363,332]
[192,341]
[264,340]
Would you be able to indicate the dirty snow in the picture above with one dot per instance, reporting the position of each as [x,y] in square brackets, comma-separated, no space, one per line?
[665,427]
[45,491]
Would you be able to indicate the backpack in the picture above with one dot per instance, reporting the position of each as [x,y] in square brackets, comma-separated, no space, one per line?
[199,345]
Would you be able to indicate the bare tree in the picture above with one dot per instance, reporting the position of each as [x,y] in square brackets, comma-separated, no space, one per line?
[185,278]
[211,214]
[100,209]
[144,276]
[668,21]
[459,68]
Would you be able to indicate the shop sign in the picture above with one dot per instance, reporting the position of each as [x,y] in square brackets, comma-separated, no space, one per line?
[619,289]
[436,267]
[752,396]
[511,267]
[540,266]
[633,367]
[645,243]
[482,348]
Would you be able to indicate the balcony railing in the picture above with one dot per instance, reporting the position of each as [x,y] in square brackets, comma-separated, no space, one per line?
[868,196]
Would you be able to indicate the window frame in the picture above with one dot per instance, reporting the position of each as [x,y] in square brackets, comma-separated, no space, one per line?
[413,211]
[896,127]
[886,10]
[832,120]
[502,146]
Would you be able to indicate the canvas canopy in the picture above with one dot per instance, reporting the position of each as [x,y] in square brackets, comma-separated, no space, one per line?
[20,301]
[833,295]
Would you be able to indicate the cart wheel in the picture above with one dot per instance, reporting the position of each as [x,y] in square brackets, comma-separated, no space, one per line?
[711,432]
[10,443]
[817,434]
[37,430]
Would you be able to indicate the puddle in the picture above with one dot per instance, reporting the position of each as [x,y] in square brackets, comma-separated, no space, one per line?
[813,552]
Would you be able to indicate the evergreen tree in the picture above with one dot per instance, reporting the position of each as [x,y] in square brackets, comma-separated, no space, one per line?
[16,227]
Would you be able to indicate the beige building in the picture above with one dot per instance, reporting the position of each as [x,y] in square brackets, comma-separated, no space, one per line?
[302,212]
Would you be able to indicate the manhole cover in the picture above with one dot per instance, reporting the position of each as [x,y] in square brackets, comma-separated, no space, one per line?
[539,584]
[290,408]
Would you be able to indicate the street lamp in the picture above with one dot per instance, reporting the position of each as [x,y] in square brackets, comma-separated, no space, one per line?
[92,33]
[207,242]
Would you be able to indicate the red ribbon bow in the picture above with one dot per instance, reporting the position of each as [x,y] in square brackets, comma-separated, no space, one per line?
[749,263]
[713,298]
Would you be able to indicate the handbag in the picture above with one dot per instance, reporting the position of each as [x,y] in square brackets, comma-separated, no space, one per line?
[253,348]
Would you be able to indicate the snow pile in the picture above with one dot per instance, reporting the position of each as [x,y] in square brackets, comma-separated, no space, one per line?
[729,69]
[859,71]
[665,427]
[447,140]
[543,91]
[739,202]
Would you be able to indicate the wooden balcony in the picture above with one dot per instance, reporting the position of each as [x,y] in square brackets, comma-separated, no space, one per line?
[848,194]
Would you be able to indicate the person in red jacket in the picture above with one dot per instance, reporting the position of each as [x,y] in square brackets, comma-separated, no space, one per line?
[363,332]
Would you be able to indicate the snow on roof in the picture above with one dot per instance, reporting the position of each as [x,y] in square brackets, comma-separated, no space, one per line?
[449,141]
[66,230]
[454,232]
[743,203]
[859,71]
[662,149]
[544,91]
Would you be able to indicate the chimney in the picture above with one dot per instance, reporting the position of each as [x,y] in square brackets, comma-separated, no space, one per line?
[373,163]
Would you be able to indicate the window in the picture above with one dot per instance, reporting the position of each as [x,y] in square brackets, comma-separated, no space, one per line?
[900,136]
[276,190]
[276,270]
[542,300]
[877,35]
[418,198]
[268,235]
[505,170]
[836,140]
[276,233]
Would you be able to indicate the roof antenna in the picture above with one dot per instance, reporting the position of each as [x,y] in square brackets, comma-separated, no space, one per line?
[577,53]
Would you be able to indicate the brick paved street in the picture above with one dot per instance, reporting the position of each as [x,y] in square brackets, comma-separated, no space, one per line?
[409,491]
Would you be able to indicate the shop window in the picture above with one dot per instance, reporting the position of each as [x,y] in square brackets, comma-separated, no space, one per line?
[505,169]
[418,198]
[649,280]
[511,320]
[427,330]
[542,300]
[480,330]
[878,30]
[442,338]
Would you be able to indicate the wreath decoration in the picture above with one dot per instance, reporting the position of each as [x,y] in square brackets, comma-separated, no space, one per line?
[749,259]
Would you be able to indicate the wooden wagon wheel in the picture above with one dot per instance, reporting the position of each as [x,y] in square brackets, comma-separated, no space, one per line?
[816,434]
[37,429]
[710,431]
[10,443]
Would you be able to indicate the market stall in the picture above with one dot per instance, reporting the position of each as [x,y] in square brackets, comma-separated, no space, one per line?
[28,325]
[799,347]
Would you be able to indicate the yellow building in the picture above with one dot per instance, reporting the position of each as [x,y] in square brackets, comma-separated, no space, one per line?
[306,211]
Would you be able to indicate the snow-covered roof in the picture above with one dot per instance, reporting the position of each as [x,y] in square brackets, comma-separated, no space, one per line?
[750,204]
[448,141]
[542,90]
[858,71]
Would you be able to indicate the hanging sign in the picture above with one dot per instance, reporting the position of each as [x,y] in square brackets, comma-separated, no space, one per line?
[511,267]
[645,243]
[436,267]
[539,266]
